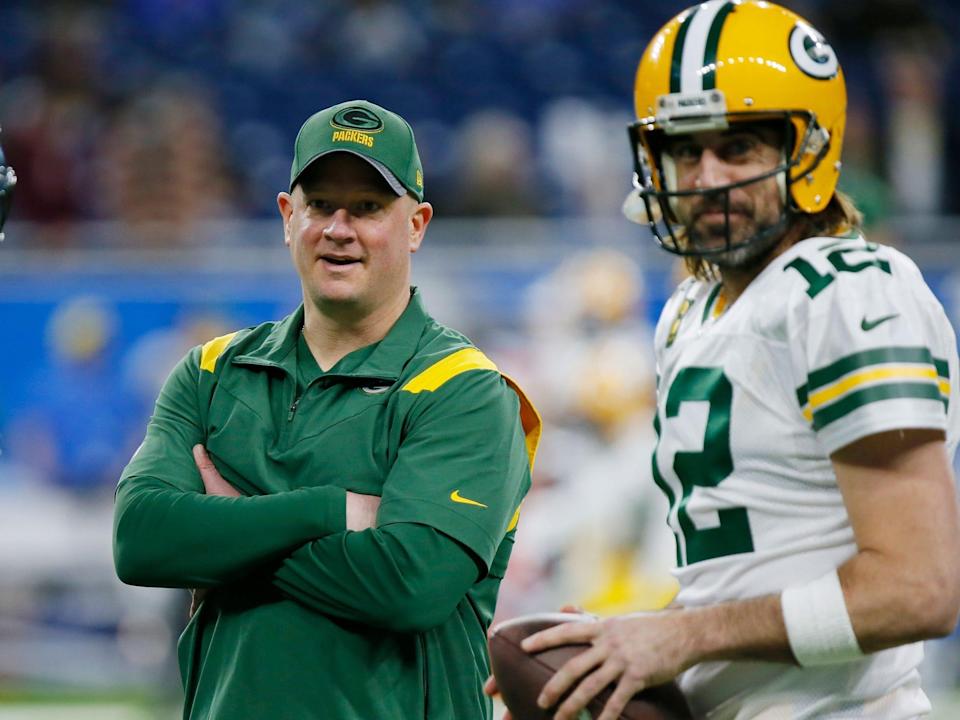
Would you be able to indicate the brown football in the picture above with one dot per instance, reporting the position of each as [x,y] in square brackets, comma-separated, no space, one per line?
[520,675]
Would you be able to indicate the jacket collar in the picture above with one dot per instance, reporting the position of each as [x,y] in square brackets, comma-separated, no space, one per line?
[386,362]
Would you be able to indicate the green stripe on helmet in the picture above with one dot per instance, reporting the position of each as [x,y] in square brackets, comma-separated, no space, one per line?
[676,61]
[713,42]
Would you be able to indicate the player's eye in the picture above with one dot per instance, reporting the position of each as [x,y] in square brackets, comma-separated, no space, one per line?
[685,152]
[739,147]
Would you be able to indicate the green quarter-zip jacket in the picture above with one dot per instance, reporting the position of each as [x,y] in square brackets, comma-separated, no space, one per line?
[303,618]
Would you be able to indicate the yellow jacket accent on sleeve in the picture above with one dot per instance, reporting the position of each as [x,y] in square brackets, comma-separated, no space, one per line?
[529,418]
[532,429]
[212,350]
[449,367]
[472,359]
[515,520]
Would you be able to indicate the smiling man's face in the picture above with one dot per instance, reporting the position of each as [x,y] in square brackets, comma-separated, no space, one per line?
[350,236]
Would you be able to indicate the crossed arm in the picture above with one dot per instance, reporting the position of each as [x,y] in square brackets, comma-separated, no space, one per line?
[178,523]
[903,585]
[369,577]
[361,510]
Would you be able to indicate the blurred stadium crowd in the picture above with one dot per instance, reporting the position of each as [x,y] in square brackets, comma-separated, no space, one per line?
[132,125]
[150,111]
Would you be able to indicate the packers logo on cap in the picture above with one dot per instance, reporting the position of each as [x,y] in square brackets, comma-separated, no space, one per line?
[379,136]
[357,118]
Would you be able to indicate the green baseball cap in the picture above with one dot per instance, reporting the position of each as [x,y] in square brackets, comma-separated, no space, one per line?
[382,138]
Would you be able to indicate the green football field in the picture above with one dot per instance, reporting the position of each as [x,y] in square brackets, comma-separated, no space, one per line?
[100,707]
[57,705]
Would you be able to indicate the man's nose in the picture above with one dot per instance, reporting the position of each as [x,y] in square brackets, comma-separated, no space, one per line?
[712,171]
[339,228]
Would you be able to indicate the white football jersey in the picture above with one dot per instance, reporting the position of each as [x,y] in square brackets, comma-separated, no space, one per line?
[835,340]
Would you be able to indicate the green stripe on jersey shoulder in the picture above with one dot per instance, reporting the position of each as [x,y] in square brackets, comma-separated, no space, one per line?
[449,367]
[943,368]
[831,413]
[212,350]
[860,378]
[857,361]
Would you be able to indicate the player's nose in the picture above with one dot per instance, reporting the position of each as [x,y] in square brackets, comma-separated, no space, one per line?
[712,171]
[339,227]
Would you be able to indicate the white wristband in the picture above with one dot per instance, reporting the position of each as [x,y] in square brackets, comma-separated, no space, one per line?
[817,622]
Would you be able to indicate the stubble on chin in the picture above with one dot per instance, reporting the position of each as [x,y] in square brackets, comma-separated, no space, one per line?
[740,258]
[712,240]
[744,258]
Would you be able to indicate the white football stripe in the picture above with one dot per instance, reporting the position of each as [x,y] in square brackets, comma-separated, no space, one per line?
[695,46]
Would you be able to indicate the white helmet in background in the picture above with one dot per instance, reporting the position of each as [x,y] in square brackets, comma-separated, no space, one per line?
[8,179]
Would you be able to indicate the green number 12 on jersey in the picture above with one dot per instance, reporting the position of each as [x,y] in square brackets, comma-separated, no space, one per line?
[704,467]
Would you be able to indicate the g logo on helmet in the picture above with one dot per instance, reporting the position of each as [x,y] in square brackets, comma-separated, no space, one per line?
[811,53]
[357,118]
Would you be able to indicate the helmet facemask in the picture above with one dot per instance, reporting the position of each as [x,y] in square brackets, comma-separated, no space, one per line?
[656,185]
[712,66]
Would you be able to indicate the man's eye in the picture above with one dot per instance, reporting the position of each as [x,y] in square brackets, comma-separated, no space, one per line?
[739,146]
[365,207]
[686,151]
[320,205]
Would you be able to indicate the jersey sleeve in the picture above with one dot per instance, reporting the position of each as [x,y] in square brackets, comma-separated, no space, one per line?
[403,577]
[870,344]
[167,533]
[464,463]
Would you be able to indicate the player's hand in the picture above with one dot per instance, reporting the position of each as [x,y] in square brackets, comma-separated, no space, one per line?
[213,482]
[632,652]
[362,511]
[490,688]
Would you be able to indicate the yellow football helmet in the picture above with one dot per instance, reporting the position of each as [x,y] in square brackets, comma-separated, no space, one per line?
[729,61]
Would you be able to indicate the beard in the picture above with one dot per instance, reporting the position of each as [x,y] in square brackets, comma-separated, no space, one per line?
[750,238]
[754,252]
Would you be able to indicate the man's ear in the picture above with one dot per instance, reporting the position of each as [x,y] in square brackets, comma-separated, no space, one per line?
[285,205]
[419,219]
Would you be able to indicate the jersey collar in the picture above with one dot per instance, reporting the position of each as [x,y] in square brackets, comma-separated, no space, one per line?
[399,344]
[385,362]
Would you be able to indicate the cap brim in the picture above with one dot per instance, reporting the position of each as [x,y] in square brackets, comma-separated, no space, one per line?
[384,171]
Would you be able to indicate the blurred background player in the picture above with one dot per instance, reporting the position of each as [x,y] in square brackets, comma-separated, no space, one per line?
[808,406]
[590,361]
[8,180]
[363,468]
